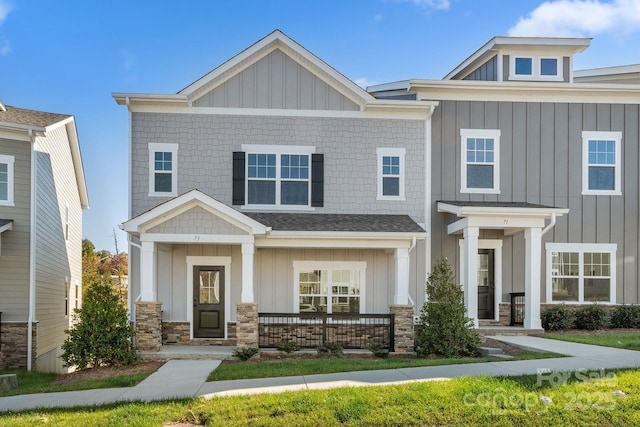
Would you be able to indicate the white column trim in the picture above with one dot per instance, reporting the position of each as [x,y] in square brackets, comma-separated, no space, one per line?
[402,276]
[148,284]
[532,266]
[470,278]
[248,250]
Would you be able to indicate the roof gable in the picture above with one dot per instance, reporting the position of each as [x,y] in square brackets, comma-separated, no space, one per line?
[275,63]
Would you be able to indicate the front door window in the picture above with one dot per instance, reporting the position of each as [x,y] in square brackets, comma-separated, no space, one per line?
[486,284]
[208,302]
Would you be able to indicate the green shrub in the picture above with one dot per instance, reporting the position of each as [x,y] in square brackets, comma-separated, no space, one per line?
[378,350]
[330,348]
[626,316]
[444,329]
[591,317]
[245,353]
[102,335]
[558,318]
[288,346]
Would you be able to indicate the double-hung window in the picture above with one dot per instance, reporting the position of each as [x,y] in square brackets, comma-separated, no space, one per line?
[328,287]
[390,173]
[536,68]
[581,272]
[6,180]
[163,169]
[278,175]
[480,161]
[601,157]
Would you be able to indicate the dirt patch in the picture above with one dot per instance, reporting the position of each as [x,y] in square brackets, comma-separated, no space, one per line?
[106,372]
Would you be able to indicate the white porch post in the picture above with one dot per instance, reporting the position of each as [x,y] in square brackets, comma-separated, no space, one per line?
[148,271]
[532,265]
[248,250]
[402,276]
[470,279]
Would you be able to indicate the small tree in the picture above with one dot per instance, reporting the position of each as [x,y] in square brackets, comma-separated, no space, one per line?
[102,334]
[444,330]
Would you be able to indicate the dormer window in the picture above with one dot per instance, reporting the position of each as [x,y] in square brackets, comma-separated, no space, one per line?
[536,68]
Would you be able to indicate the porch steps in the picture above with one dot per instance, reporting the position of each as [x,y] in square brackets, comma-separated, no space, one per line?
[507,330]
[191,352]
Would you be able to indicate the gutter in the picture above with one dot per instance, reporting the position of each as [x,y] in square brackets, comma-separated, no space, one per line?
[32,253]
[551,224]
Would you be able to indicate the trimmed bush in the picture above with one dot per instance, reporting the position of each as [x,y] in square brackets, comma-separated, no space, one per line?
[103,335]
[330,348]
[626,316]
[558,318]
[245,353]
[378,350]
[288,347]
[444,329]
[592,317]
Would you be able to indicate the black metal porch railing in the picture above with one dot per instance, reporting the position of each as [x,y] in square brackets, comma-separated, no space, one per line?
[311,330]
[517,308]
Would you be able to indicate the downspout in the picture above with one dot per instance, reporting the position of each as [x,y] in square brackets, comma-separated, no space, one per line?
[551,224]
[32,253]
[427,195]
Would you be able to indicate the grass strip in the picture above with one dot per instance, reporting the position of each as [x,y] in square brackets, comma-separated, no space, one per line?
[624,340]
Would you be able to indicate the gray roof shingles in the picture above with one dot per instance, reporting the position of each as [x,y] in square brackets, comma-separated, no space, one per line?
[26,117]
[495,204]
[337,222]
[4,222]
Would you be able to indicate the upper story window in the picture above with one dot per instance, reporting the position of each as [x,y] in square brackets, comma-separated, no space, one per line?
[536,68]
[163,169]
[6,180]
[581,272]
[601,158]
[480,161]
[278,176]
[390,173]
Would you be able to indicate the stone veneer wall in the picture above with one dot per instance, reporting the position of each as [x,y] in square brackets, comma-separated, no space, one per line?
[403,328]
[247,325]
[148,326]
[178,333]
[359,336]
[14,344]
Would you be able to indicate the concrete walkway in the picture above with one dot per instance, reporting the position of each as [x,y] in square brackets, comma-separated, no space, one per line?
[186,378]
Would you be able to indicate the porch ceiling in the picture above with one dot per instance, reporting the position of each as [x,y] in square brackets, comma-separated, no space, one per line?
[511,217]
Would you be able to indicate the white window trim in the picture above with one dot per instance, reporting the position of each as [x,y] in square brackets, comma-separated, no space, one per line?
[480,133]
[581,248]
[591,135]
[299,266]
[394,152]
[163,147]
[535,68]
[278,150]
[496,245]
[9,161]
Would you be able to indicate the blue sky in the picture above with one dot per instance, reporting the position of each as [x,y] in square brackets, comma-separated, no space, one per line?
[69,56]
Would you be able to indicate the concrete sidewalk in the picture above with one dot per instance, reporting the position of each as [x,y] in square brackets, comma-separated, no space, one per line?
[187,378]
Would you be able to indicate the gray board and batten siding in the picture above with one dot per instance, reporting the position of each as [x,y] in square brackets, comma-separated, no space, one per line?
[541,163]
[276,81]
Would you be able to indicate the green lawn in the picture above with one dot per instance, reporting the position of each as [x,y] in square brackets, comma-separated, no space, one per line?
[472,401]
[626,340]
[294,367]
[40,382]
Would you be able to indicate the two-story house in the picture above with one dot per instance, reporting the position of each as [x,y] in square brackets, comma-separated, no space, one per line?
[42,194]
[275,184]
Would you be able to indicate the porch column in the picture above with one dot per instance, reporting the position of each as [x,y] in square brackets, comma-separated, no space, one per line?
[470,279]
[248,250]
[532,265]
[402,277]
[148,271]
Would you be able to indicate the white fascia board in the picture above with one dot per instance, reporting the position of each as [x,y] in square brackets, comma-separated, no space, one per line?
[20,127]
[410,107]
[309,241]
[607,71]
[131,99]
[466,90]
[475,56]
[177,205]
[8,226]
[466,211]
[76,158]
[402,85]
[275,40]
[195,238]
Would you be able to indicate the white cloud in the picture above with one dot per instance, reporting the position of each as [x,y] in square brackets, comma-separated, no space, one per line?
[579,18]
[363,82]
[5,47]
[5,8]
[431,4]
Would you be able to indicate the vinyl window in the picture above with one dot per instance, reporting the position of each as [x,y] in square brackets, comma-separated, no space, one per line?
[163,169]
[6,180]
[602,158]
[480,157]
[391,173]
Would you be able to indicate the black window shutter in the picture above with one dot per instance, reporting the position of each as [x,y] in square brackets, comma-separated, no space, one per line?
[317,180]
[238,177]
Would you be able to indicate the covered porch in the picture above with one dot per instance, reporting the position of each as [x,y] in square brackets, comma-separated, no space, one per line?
[481,259]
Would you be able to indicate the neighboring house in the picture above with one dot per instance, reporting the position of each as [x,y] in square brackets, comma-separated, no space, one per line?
[274,184]
[534,178]
[42,194]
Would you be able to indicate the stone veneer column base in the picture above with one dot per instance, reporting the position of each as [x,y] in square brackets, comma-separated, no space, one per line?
[14,344]
[247,324]
[403,328]
[148,326]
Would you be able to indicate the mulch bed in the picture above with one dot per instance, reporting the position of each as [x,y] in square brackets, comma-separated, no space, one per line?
[108,371]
